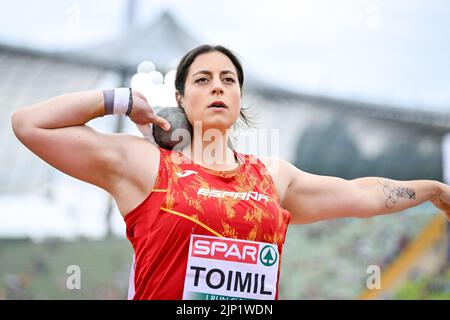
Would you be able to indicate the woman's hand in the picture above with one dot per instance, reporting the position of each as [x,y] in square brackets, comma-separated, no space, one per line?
[442,201]
[142,113]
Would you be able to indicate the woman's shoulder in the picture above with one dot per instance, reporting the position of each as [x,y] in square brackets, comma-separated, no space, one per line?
[139,147]
[278,169]
[142,159]
[273,164]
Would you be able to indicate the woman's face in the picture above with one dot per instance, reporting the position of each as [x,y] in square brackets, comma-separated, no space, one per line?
[212,77]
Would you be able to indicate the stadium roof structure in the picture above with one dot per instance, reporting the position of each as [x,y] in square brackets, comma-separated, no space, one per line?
[164,42]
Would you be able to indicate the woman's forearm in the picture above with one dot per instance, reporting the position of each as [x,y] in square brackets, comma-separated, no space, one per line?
[388,196]
[70,109]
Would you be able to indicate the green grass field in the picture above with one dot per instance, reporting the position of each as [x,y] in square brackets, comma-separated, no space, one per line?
[39,271]
[427,288]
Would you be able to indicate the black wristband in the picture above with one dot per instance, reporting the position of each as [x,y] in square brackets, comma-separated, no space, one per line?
[130,103]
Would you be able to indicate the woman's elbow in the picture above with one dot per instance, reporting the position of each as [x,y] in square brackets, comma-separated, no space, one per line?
[19,124]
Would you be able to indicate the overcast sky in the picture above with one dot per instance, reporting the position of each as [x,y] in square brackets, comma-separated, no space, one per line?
[395,52]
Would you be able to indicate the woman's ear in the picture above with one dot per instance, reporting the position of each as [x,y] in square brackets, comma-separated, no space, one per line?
[179,98]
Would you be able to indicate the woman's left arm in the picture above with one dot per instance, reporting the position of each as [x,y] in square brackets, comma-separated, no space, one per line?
[312,197]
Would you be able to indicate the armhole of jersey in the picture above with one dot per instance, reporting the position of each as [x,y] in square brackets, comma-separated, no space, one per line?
[161,170]
[287,215]
[272,182]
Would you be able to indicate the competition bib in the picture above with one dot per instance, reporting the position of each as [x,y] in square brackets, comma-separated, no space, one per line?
[230,269]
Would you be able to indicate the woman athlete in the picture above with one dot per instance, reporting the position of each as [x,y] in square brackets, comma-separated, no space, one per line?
[203,225]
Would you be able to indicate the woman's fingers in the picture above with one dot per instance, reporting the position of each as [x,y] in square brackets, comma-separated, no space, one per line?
[163,123]
[143,113]
[445,207]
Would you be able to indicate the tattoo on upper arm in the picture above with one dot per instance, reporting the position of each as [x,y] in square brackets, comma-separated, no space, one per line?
[394,193]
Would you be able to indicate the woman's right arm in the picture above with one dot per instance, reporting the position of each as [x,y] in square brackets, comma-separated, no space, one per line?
[55,131]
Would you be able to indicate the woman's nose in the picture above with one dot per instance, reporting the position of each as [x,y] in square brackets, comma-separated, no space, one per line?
[217,88]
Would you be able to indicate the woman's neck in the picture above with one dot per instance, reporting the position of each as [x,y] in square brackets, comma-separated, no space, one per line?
[215,154]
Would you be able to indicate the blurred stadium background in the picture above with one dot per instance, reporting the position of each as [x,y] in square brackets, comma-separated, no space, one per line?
[49,221]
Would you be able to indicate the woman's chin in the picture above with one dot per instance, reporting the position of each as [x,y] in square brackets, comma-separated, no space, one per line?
[219,123]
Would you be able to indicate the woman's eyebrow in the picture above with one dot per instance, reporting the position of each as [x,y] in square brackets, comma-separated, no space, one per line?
[209,72]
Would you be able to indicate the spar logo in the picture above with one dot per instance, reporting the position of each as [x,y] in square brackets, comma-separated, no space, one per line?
[225,249]
[268,256]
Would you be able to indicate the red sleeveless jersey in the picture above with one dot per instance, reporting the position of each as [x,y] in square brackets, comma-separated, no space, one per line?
[190,199]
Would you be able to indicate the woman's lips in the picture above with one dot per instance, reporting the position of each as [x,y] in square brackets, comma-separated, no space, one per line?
[217,104]
[217,109]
